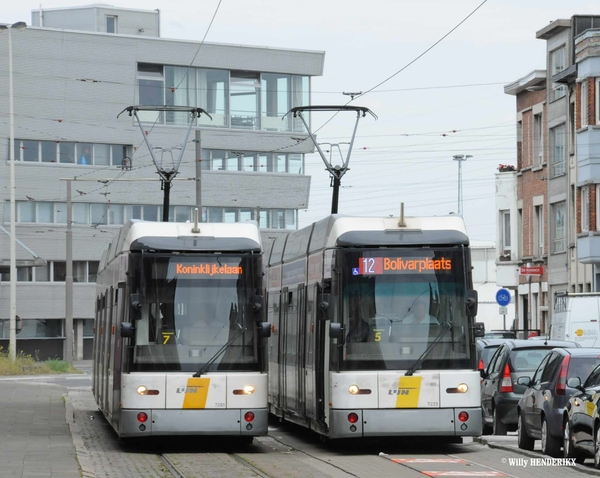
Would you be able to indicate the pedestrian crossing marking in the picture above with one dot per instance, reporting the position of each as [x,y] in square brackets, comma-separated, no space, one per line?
[463,473]
[428,460]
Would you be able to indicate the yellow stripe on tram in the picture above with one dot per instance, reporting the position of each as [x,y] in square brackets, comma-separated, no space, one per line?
[196,393]
[409,389]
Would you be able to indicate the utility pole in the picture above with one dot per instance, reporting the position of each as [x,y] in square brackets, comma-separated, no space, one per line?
[199,160]
[68,356]
[460,158]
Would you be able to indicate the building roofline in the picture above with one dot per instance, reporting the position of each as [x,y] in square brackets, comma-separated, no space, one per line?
[93,5]
[537,78]
[197,42]
[552,29]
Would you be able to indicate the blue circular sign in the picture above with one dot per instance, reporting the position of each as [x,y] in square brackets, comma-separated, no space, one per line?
[503,297]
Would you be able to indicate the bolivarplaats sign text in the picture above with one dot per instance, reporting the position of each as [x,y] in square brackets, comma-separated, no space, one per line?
[399,265]
[206,269]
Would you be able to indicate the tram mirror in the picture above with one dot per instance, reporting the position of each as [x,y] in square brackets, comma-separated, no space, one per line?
[472,303]
[479,329]
[324,307]
[257,303]
[135,302]
[127,330]
[336,331]
[264,330]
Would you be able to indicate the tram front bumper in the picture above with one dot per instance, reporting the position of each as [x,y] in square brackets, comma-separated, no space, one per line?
[193,422]
[405,422]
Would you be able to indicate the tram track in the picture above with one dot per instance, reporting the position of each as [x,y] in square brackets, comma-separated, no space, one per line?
[167,459]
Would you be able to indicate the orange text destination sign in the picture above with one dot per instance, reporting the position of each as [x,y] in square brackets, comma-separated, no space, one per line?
[182,269]
[399,265]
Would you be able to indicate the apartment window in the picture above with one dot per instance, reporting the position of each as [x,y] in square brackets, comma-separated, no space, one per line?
[583,105]
[111,23]
[558,227]
[538,140]
[219,160]
[585,209]
[558,139]
[558,61]
[597,208]
[33,328]
[539,231]
[572,123]
[597,101]
[505,230]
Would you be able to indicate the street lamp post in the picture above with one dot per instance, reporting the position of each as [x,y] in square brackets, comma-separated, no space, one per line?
[11,187]
[460,158]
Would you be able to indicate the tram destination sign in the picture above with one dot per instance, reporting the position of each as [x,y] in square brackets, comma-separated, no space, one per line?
[531,270]
[400,265]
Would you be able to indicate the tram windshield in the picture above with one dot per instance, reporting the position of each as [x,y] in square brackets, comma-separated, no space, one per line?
[396,302]
[192,307]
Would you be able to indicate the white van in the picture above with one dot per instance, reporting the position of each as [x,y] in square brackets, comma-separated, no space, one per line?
[576,318]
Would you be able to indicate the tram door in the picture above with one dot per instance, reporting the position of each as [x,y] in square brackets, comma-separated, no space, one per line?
[117,352]
[290,354]
[275,346]
[301,355]
[309,351]
[106,346]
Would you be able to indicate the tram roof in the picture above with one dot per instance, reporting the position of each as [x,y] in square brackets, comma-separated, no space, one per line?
[139,235]
[340,231]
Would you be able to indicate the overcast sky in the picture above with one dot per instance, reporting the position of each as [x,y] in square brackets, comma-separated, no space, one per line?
[450,101]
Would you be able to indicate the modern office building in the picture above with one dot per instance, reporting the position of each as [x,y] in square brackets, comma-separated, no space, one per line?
[75,70]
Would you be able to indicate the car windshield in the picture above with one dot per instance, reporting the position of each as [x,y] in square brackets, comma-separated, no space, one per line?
[582,367]
[527,360]
[395,303]
[191,306]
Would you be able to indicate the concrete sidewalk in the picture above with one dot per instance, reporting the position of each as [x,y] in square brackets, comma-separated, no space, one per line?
[35,438]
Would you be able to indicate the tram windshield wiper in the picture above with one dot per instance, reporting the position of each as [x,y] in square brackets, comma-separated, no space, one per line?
[445,327]
[218,353]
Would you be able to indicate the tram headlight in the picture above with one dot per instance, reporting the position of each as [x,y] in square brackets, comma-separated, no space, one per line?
[460,388]
[247,390]
[142,390]
[356,390]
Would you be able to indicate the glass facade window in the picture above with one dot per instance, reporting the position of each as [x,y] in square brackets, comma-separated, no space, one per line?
[30,150]
[84,153]
[45,212]
[26,212]
[67,152]
[79,271]
[180,90]
[276,92]
[49,149]
[102,155]
[59,271]
[213,96]
[244,99]
[236,99]
[34,328]
[42,273]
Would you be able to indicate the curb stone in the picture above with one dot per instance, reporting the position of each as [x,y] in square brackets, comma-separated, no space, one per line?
[530,454]
[87,469]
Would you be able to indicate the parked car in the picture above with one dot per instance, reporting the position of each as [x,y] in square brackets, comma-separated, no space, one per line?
[485,351]
[582,420]
[500,334]
[541,408]
[500,392]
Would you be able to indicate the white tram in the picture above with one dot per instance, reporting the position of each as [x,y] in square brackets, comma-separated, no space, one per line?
[179,346]
[373,328]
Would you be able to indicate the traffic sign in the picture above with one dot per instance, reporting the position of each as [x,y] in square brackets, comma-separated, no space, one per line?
[503,310]
[503,297]
[531,270]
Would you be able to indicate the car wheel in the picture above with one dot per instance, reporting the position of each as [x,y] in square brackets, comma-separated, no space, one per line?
[524,441]
[597,449]
[569,450]
[550,445]
[499,428]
